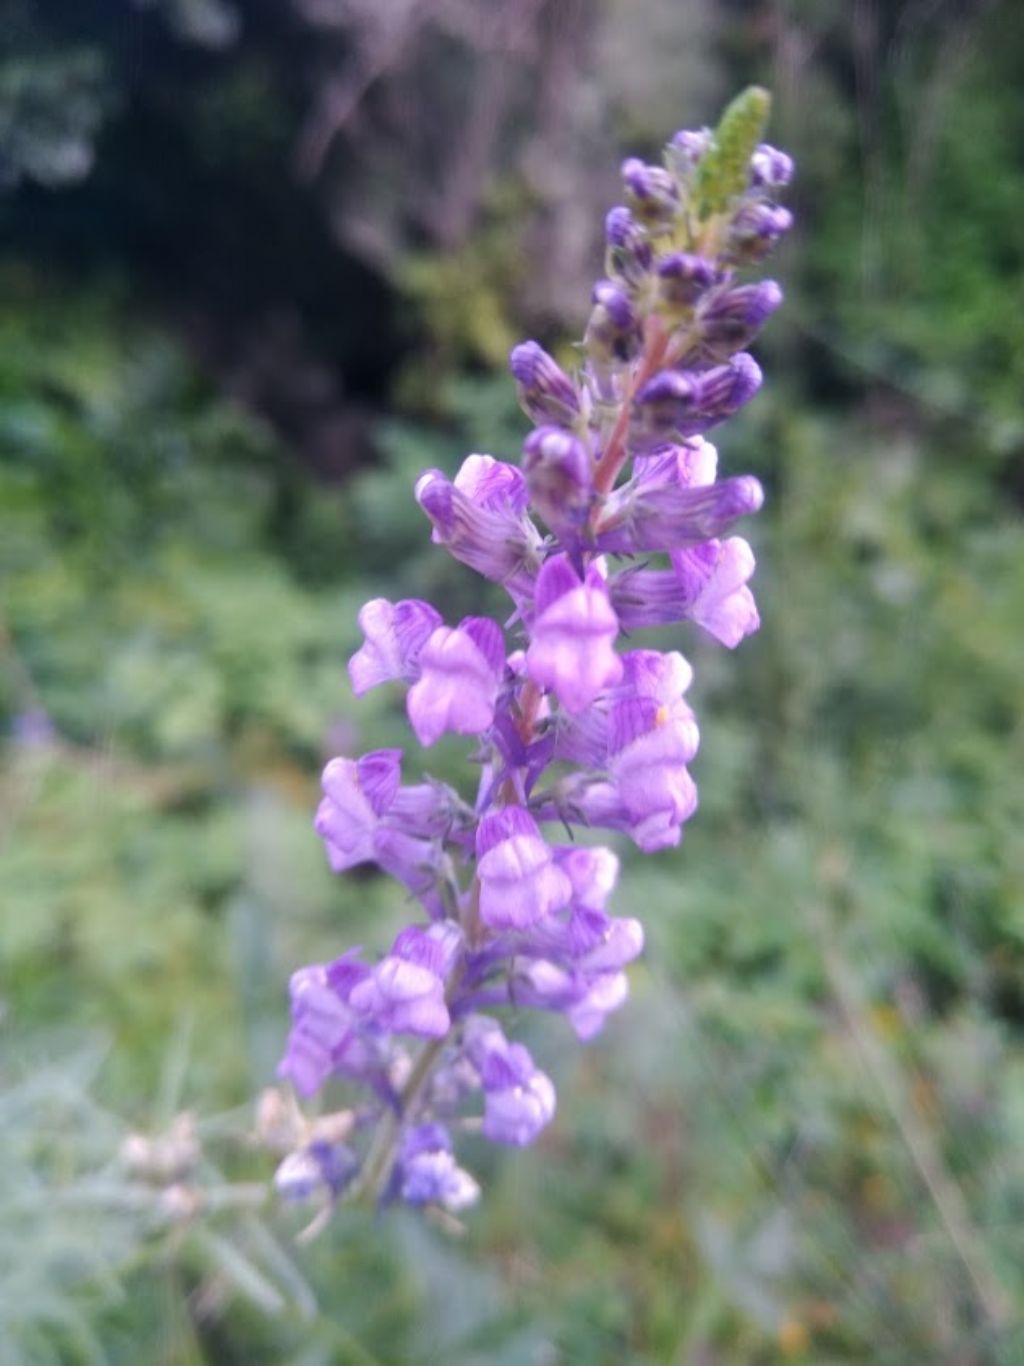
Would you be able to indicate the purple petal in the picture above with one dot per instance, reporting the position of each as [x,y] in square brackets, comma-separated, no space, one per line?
[394,635]
[379,774]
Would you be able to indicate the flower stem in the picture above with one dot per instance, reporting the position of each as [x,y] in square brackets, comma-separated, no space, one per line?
[381,1158]
[614,457]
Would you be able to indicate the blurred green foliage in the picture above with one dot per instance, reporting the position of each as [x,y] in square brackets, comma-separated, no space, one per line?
[802,1139]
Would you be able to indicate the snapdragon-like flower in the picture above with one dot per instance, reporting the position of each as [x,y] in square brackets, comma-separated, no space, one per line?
[460,668]
[516,870]
[616,521]
[572,650]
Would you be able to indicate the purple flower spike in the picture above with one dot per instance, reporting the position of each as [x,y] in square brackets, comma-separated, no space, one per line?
[713,578]
[546,393]
[460,668]
[567,729]
[573,647]
[520,882]
[395,633]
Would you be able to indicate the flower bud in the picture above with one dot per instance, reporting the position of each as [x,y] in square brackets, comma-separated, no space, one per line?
[755,231]
[612,332]
[652,192]
[546,393]
[770,168]
[560,478]
[689,145]
[629,254]
[729,319]
[681,403]
[683,278]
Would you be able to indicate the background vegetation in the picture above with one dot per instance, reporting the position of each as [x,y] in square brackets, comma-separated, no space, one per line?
[261,262]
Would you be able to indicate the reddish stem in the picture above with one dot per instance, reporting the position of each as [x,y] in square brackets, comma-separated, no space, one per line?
[615,454]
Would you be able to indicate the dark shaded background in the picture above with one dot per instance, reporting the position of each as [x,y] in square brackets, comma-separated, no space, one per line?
[261,262]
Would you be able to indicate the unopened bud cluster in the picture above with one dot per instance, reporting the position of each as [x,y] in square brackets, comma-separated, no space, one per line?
[568,728]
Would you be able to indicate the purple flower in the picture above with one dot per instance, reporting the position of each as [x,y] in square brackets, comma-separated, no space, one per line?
[586,940]
[326,1167]
[713,578]
[707,584]
[650,746]
[428,1173]
[572,651]
[519,879]
[755,231]
[405,992]
[606,993]
[480,518]
[649,793]
[460,669]
[592,873]
[366,817]
[395,633]
[584,1000]
[326,1036]
[664,509]
[519,1099]
[357,793]
[690,145]
[652,673]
